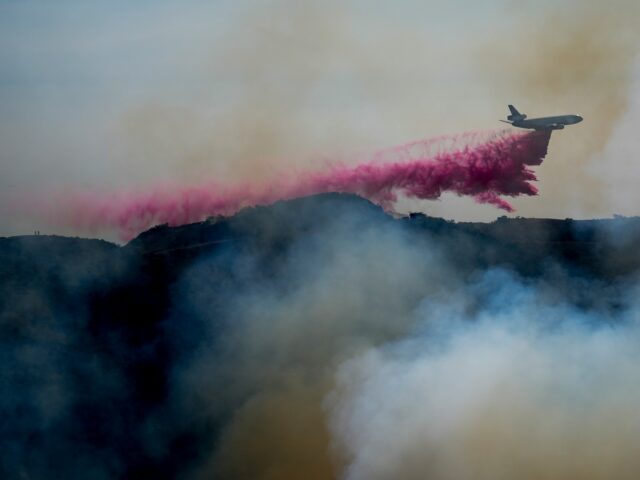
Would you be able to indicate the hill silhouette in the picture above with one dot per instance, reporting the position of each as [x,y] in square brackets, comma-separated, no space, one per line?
[95,337]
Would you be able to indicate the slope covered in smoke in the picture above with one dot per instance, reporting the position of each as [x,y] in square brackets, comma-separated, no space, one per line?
[323,338]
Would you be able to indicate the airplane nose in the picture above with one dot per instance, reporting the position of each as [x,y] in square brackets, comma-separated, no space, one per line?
[578,119]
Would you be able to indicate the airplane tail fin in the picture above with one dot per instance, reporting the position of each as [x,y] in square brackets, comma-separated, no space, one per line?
[515,114]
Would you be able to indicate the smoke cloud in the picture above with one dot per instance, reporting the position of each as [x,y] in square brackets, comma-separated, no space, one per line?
[464,165]
[242,90]
[520,388]
[322,338]
[288,330]
[574,57]
[327,340]
[370,355]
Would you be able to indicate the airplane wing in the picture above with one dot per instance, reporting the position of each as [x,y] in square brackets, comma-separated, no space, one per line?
[551,126]
[504,121]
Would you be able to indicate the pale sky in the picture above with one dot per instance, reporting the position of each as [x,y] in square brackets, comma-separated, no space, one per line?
[113,95]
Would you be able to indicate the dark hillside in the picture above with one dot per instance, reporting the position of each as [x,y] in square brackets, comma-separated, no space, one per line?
[92,334]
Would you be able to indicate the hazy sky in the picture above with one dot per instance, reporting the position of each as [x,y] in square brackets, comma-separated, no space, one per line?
[121,95]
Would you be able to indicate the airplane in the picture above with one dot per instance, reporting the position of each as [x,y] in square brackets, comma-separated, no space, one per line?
[518,119]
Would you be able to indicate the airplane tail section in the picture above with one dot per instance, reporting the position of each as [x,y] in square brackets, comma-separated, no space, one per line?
[515,114]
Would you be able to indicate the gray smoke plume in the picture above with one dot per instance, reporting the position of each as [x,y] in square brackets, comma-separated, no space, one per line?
[321,338]
[516,386]
[349,284]
[370,355]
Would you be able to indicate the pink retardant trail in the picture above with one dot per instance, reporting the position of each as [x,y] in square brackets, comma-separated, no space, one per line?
[486,170]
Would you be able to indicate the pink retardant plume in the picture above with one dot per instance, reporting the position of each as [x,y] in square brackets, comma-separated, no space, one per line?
[487,170]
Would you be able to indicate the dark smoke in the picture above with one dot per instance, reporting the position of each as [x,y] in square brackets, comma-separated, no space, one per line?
[321,338]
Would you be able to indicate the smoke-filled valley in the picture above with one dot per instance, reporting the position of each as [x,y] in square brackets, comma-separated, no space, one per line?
[323,338]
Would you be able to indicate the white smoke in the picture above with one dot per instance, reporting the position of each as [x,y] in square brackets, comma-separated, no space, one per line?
[522,387]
